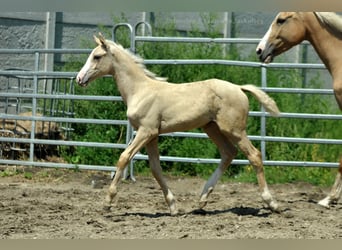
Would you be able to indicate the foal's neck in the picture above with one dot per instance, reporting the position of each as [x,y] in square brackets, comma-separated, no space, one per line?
[129,77]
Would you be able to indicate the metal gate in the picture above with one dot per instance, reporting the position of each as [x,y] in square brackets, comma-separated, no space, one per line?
[16,99]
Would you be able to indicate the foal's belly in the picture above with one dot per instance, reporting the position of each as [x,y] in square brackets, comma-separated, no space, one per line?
[186,120]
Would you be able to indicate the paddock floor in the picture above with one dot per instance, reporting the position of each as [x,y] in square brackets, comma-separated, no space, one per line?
[65,204]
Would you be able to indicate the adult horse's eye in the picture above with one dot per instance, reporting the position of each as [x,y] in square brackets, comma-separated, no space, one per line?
[281,20]
[97,57]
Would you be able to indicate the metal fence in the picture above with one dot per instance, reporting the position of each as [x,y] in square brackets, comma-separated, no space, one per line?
[56,91]
[59,99]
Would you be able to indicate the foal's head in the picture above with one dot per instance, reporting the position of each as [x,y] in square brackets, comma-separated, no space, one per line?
[287,30]
[99,63]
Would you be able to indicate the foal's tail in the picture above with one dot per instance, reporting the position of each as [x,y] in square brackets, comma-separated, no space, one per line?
[266,101]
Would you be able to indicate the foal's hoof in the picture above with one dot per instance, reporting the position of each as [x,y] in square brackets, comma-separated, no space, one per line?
[202,203]
[174,213]
[107,208]
[204,198]
[325,202]
[173,209]
[275,207]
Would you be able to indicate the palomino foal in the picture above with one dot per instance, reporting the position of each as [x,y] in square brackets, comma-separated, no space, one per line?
[155,106]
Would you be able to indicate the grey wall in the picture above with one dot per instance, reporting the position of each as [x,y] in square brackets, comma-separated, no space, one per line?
[71,30]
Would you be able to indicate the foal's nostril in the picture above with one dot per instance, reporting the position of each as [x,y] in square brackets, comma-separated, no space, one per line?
[79,78]
[258,51]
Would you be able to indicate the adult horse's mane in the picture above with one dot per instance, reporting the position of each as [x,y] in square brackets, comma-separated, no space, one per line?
[332,21]
[138,60]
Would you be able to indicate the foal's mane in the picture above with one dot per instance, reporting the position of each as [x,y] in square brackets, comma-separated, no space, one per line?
[332,21]
[138,60]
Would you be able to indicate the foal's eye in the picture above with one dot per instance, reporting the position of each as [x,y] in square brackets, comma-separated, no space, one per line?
[96,57]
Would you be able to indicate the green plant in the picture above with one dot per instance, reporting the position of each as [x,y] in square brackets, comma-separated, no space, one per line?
[28,175]
[8,172]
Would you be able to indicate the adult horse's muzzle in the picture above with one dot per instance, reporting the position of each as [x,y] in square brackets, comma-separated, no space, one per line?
[266,55]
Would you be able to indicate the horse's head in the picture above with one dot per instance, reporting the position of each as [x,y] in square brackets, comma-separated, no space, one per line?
[286,30]
[99,63]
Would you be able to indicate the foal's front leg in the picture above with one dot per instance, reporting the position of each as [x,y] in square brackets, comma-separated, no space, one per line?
[141,138]
[153,156]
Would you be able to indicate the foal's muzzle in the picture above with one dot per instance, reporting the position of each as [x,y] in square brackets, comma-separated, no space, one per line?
[82,79]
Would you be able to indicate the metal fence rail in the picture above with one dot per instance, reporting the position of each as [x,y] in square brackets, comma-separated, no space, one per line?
[63,117]
[36,75]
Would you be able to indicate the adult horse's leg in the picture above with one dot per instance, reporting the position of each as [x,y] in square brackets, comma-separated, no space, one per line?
[338,92]
[153,156]
[254,157]
[142,137]
[336,189]
[227,151]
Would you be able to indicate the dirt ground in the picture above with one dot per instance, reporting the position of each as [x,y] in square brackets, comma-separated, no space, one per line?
[65,204]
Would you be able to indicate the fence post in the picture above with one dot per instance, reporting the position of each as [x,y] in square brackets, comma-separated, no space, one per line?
[34,104]
[131,33]
[129,133]
[263,116]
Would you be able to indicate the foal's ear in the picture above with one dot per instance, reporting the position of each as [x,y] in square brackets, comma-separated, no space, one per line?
[101,41]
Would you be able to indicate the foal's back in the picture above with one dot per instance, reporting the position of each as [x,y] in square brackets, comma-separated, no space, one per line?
[186,106]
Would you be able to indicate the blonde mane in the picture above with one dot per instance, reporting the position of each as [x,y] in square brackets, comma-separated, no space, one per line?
[332,21]
[139,61]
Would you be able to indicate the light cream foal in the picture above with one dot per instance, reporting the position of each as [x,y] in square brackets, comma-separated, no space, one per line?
[155,106]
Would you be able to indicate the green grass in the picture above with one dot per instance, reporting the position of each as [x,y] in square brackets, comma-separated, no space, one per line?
[323,177]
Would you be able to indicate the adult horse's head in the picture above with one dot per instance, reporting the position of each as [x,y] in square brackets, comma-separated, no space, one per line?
[99,63]
[286,31]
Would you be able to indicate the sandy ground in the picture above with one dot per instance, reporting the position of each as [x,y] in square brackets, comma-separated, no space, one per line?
[65,204]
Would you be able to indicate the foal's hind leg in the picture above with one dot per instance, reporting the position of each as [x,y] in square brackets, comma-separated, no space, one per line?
[336,189]
[227,151]
[254,157]
[153,156]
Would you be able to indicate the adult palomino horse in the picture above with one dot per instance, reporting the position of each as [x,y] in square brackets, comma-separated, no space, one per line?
[155,106]
[324,31]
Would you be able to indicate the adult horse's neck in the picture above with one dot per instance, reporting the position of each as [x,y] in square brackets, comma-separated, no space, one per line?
[327,46]
[128,74]
[329,49]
